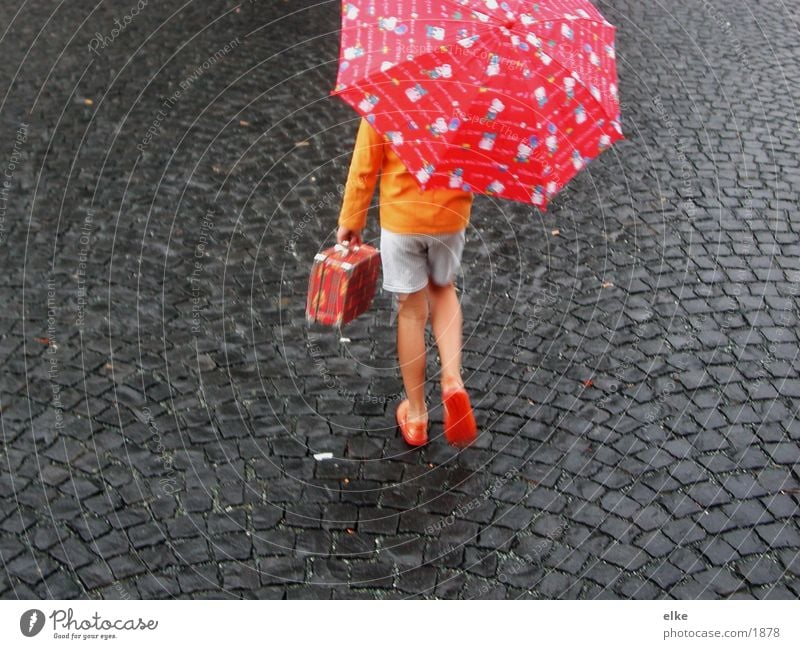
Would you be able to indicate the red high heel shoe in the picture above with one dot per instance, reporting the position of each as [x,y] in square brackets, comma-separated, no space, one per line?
[460,428]
[414,432]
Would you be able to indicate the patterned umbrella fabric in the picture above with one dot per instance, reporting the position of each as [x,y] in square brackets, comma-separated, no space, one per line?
[509,99]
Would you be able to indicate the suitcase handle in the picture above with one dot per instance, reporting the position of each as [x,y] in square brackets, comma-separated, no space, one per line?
[344,248]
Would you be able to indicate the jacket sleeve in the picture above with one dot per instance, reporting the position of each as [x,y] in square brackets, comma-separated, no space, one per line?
[362,177]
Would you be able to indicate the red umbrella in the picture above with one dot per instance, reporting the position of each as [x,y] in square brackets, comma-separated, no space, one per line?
[508,99]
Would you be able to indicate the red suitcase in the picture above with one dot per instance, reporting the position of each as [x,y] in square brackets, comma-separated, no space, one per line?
[342,284]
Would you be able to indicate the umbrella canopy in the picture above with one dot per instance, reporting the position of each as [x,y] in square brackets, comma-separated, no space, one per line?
[509,99]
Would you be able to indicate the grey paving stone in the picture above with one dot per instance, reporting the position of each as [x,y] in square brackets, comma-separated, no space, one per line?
[759,571]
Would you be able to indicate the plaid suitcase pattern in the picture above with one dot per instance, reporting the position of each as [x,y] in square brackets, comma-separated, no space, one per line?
[342,284]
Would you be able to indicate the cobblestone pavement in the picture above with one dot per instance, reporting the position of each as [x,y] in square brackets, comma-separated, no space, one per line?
[170,169]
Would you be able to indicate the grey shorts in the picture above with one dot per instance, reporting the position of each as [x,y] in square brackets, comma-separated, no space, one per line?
[410,260]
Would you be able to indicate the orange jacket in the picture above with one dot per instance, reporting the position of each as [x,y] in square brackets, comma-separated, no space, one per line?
[404,207]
